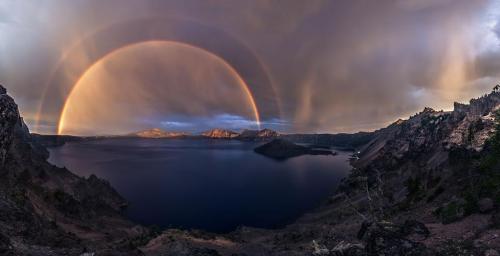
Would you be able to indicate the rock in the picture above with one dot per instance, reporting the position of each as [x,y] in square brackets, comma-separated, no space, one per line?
[319,250]
[491,252]
[220,134]
[2,90]
[345,248]
[267,133]
[387,238]
[486,205]
[256,135]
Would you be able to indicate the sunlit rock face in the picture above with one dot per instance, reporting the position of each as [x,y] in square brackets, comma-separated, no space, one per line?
[220,134]
[149,84]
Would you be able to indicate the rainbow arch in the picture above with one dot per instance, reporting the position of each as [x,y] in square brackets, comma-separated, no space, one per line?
[241,82]
[106,40]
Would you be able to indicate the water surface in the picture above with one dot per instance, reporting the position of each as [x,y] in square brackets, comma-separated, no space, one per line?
[214,185]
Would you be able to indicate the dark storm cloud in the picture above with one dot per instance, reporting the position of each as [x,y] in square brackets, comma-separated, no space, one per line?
[337,65]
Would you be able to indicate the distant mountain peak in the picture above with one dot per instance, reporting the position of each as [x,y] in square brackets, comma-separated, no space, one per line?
[219,133]
[263,134]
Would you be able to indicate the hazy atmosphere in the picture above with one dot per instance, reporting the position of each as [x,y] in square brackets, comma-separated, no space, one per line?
[94,67]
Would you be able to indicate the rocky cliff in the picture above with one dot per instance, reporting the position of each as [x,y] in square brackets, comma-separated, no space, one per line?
[220,134]
[256,135]
[46,210]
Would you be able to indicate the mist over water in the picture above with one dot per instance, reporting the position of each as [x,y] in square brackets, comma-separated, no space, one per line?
[214,185]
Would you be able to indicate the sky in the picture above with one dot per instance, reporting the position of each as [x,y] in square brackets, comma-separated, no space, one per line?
[90,67]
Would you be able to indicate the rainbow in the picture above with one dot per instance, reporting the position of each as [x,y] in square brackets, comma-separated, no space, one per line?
[241,82]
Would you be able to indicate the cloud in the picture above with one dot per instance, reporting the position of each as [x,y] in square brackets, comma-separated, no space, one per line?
[175,124]
[342,65]
[223,120]
[417,5]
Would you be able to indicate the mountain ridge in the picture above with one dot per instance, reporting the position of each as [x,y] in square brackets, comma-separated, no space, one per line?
[219,133]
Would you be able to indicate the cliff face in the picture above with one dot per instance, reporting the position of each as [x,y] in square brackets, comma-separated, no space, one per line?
[46,210]
[220,134]
[437,167]
[429,136]
[264,134]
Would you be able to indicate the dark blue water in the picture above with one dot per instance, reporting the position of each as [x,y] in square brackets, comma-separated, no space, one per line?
[214,185]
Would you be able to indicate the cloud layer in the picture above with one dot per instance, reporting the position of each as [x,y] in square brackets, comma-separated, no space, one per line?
[336,65]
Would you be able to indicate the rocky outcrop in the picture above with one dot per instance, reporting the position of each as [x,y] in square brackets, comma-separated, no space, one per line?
[281,149]
[432,134]
[220,134]
[46,210]
[157,133]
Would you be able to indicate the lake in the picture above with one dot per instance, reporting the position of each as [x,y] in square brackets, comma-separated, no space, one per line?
[214,185]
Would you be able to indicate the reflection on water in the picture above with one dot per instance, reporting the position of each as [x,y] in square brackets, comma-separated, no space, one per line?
[214,185]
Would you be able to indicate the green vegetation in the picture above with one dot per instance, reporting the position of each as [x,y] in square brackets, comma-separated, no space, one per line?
[415,189]
[451,212]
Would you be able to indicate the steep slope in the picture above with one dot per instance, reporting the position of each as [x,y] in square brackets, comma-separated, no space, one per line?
[421,145]
[45,210]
